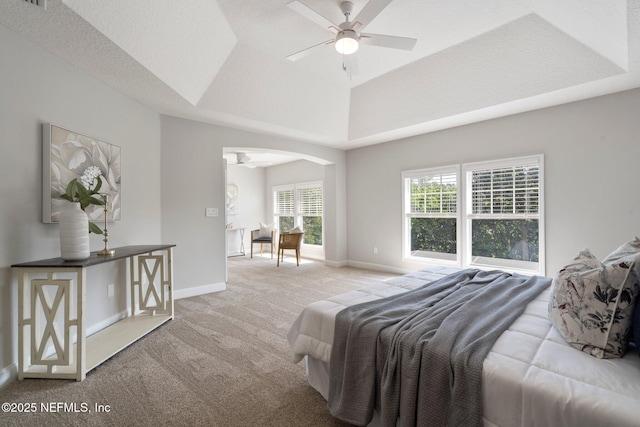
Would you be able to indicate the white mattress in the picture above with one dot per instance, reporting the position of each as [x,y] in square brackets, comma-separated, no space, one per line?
[531,376]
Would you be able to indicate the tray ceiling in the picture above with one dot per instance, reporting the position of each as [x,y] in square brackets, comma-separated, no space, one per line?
[225,61]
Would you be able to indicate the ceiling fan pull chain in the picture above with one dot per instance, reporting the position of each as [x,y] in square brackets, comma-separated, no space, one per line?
[344,67]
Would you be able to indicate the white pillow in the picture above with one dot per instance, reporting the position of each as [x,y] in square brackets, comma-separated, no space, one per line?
[266,229]
[295,230]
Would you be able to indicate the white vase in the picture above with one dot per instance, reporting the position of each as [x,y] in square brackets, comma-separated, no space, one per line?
[74,233]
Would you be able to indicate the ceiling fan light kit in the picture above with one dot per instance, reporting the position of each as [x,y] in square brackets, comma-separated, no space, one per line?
[347,42]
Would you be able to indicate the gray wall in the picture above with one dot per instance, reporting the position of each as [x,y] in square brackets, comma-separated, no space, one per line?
[292,173]
[36,87]
[591,151]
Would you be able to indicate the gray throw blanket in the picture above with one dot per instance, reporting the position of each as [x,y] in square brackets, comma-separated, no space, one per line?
[418,356]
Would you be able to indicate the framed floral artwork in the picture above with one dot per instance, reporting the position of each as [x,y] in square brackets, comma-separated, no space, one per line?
[66,155]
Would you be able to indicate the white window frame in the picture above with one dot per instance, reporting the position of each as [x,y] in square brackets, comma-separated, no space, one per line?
[468,215]
[408,215]
[297,215]
[465,216]
[276,214]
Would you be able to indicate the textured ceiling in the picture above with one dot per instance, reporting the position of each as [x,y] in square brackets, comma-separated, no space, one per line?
[225,61]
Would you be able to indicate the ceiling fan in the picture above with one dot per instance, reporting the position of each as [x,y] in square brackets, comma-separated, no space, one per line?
[241,159]
[349,35]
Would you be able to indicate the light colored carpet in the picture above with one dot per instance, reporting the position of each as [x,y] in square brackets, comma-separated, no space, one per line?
[223,361]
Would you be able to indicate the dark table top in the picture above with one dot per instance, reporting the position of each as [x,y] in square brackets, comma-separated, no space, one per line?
[94,258]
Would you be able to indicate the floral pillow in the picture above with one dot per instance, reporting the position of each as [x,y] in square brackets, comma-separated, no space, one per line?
[636,325]
[592,303]
[629,248]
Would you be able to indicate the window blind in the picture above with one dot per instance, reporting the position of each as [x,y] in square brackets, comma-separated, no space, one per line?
[435,194]
[310,201]
[510,190]
[285,202]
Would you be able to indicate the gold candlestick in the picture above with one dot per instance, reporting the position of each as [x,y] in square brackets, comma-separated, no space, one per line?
[106,250]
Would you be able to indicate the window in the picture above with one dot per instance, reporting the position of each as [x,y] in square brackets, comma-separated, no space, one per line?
[310,213]
[300,205]
[283,205]
[431,213]
[503,215]
[490,216]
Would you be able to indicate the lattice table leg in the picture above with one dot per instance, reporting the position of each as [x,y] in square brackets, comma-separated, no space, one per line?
[45,322]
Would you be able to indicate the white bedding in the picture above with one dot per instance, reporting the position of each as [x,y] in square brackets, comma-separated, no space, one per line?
[531,377]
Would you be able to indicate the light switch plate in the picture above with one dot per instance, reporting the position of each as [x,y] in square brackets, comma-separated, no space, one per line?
[211,212]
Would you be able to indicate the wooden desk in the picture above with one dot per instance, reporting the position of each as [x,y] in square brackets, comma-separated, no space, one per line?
[47,324]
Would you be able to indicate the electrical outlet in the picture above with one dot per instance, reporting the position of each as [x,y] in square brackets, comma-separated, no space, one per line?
[211,212]
[110,290]
[375,250]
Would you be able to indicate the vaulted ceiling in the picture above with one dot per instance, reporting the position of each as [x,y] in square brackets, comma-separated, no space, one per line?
[224,61]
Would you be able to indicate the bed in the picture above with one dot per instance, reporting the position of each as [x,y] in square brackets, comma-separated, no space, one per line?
[531,376]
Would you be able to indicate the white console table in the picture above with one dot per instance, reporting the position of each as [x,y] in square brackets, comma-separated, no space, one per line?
[52,306]
[240,232]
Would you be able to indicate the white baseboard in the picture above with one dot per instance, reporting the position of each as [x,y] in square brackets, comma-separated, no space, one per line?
[8,375]
[378,267]
[336,264]
[199,290]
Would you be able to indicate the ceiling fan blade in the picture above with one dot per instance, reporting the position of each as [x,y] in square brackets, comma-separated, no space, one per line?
[393,42]
[309,50]
[313,16]
[368,13]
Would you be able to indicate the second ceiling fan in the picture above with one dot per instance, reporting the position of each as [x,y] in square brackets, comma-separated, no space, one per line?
[349,35]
